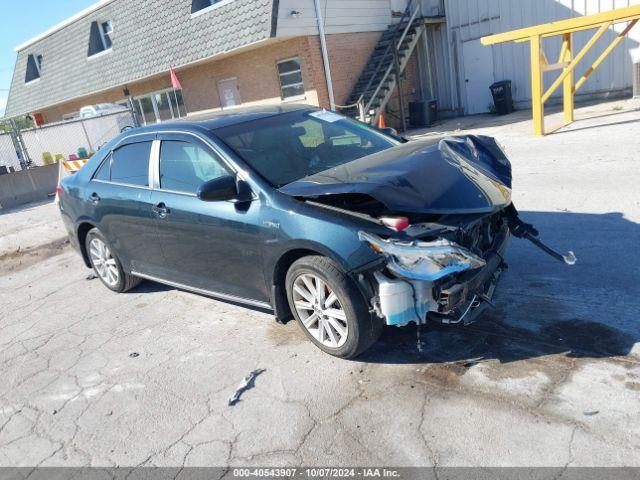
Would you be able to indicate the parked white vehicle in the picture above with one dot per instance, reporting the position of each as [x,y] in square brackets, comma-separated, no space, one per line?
[100,109]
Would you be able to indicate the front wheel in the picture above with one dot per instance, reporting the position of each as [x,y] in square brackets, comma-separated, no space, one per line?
[329,307]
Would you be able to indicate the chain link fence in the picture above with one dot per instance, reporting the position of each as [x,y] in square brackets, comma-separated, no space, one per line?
[11,155]
[50,143]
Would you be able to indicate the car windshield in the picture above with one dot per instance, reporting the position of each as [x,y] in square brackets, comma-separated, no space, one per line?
[290,146]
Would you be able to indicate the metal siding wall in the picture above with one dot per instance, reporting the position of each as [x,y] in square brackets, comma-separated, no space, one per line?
[340,16]
[471,19]
[440,66]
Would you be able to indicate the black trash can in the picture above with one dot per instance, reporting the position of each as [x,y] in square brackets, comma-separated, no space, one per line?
[423,113]
[502,99]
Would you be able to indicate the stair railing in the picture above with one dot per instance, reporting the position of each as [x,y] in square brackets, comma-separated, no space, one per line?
[410,14]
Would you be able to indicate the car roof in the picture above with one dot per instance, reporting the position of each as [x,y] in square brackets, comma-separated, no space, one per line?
[225,118]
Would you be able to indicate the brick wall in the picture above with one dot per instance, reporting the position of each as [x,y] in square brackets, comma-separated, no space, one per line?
[256,73]
[348,55]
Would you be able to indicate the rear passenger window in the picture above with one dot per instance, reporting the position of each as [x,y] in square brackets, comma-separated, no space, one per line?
[104,172]
[130,164]
[185,166]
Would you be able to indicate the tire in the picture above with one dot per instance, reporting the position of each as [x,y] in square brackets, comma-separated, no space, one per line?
[124,281]
[362,328]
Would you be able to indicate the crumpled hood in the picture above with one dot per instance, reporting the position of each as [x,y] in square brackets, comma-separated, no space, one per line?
[456,174]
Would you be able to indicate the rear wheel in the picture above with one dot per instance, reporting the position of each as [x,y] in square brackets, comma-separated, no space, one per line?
[106,264]
[329,308]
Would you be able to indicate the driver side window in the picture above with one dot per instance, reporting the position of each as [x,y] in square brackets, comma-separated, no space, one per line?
[184,166]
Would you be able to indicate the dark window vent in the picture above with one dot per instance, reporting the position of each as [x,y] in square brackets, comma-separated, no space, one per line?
[197,5]
[100,37]
[34,64]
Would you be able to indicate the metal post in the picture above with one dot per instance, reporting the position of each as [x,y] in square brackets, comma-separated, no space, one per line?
[427,49]
[361,113]
[134,115]
[567,99]
[403,120]
[325,55]
[175,94]
[537,104]
[86,135]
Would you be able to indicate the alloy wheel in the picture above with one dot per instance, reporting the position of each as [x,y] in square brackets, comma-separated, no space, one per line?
[104,263]
[320,311]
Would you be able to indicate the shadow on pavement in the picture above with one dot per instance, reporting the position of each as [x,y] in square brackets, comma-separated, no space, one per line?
[25,207]
[488,120]
[543,307]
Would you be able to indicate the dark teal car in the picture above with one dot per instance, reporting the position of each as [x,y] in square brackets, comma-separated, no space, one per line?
[303,212]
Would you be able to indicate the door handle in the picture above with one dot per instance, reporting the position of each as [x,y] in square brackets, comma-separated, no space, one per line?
[161,210]
[95,198]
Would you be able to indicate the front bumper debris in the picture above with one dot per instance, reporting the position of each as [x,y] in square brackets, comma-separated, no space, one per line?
[463,299]
[419,295]
[527,231]
[445,281]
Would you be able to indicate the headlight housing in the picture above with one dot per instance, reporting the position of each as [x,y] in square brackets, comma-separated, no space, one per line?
[428,261]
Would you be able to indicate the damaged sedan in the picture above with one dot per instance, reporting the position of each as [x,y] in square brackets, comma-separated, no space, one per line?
[304,212]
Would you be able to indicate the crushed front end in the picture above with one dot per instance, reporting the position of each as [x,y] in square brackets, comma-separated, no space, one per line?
[439,272]
[441,215]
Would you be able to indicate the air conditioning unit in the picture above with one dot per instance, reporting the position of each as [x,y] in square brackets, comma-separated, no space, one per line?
[636,80]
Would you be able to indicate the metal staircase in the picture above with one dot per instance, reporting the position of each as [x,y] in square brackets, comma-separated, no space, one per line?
[383,71]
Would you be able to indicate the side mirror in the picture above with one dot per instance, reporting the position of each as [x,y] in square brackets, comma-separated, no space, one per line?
[218,189]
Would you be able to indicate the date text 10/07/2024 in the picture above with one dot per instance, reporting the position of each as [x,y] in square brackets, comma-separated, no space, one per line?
[319,472]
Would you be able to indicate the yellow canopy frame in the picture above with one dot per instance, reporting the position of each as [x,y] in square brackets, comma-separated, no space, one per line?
[567,61]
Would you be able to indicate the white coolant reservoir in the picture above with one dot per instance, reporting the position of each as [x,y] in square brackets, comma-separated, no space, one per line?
[400,303]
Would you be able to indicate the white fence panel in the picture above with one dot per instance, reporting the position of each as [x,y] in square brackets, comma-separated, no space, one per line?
[58,139]
[66,138]
[8,156]
[100,130]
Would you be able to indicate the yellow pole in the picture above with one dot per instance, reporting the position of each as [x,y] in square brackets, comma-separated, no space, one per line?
[569,68]
[537,85]
[563,50]
[568,91]
[605,54]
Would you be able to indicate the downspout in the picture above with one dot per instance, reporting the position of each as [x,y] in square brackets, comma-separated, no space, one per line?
[325,55]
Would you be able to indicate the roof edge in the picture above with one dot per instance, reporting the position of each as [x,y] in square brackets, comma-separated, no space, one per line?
[63,24]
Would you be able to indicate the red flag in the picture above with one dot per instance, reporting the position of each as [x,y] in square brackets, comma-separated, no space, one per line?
[175,83]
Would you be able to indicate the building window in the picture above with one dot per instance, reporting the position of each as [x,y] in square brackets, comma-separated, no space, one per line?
[160,106]
[197,5]
[106,29]
[100,37]
[291,85]
[34,66]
